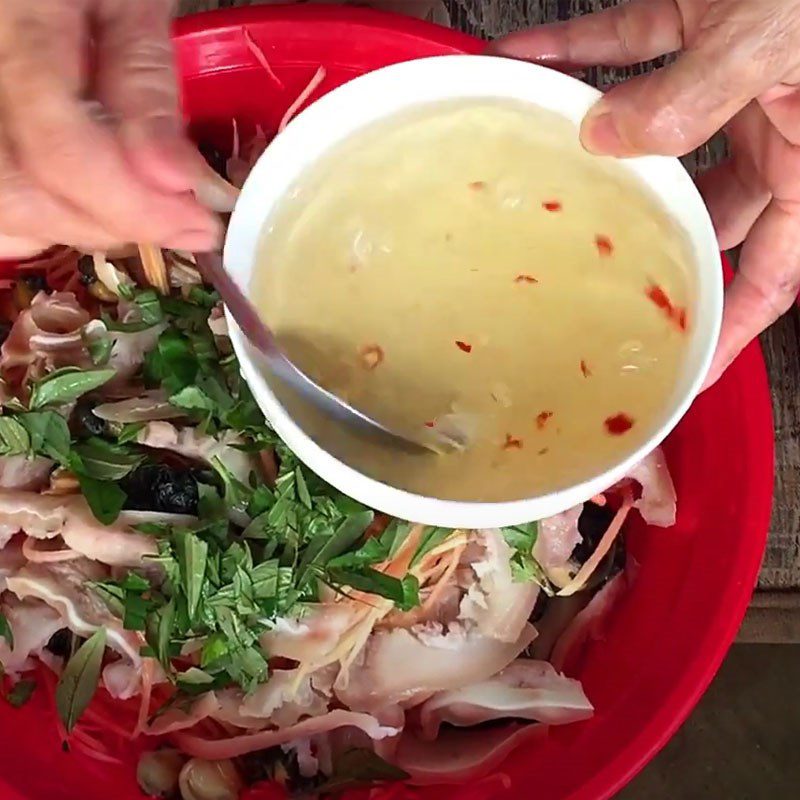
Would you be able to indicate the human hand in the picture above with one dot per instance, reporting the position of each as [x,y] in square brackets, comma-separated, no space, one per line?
[739,70]
[65,176]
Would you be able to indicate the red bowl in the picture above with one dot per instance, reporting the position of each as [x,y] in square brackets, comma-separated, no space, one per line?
[691,584]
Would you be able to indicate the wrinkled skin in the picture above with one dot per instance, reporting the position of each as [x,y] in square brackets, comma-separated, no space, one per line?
[67,178]
[739,70]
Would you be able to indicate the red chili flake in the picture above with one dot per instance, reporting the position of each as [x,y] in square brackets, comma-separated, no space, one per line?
[522,278]
[467,348]
[542,418]
[552,205]
[371,355]
[512,443]
[430,424]
[585,369]
[675,314]
[618,424]
[604,245]
[477,185]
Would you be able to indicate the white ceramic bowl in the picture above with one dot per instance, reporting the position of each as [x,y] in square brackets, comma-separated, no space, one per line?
[390,90]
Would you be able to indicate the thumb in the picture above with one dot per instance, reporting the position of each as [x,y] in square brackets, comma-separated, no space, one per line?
[136,81]
[676,109]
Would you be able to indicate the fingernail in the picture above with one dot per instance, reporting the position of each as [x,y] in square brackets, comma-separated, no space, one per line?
[599,134]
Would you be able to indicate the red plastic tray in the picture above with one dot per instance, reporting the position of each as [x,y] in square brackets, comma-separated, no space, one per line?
[693,582]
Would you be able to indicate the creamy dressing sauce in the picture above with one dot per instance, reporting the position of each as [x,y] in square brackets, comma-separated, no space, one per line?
[468,263]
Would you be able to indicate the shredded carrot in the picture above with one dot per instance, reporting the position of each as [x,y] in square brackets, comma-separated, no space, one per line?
[591,563]
[618,424]
[522,278]
[551,205]
[259,55]
[464,346]
[315,81]
[236,145]
[371,355]
[542,418]
[512,443]
[604,245]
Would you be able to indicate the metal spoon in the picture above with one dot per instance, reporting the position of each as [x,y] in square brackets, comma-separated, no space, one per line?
[261,337]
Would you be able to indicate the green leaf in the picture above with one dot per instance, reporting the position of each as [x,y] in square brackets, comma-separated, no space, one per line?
[323,548]
[303,494]
[130,432]
[105,498]
[431,539]
[360,767]
[193,398]
[112,594]
[159,633]
[105,461]
[6,632]
[49,434]
[521,537]
[136,610]
[14,438]
[376,549]
[403,593]
[21,692]
[237,495]
[66,385]
[178,360]
[99,348]
[78,682]
[192,555]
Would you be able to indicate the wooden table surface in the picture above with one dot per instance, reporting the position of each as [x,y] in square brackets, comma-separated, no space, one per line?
[781,344]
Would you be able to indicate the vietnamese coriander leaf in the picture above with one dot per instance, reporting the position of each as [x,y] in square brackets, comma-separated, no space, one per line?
[6,632]
[360,767]
[79,679]
[21,692]
[105,498]
[404,593]
[431,539]
[192,555]
[66,385]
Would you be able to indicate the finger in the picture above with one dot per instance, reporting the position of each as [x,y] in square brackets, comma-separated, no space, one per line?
[677,108]
[27,211]
[72,156]
[12,247]
[618,36]
[736,192]
[782,107]
[766,284]
[136,80]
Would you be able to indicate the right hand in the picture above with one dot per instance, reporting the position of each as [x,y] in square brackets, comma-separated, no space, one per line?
[66,178]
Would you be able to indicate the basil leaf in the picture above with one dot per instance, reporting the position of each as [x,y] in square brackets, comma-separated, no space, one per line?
[105,498]
[192,555]
[14,438]
[431,539]
[49,434]
[6,632]
[105,461]
[360,767]
[178,361]
[78,682]
[130,432]
[66,385]
[21,692]
[99,349]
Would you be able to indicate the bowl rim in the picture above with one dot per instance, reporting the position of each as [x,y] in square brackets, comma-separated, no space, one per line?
[284,160]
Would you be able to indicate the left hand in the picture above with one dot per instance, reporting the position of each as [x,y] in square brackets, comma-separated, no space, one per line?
[739,70]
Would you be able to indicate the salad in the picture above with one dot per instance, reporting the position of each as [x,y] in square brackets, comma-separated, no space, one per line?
[179,585]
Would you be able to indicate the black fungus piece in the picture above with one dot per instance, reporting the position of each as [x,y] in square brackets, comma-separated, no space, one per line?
[275,765]
[86,270]
[36,283]
[60,643]
[592,524]
[158,487]
[85,422]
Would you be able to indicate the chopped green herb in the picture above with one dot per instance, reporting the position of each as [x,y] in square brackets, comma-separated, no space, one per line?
[105,498]
[431,539]
[49,434]
[6,632]
[21,692]
[66,385]
[14,438]
[105,461]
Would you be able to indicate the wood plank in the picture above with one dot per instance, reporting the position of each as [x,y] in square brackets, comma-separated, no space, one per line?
[492,18]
